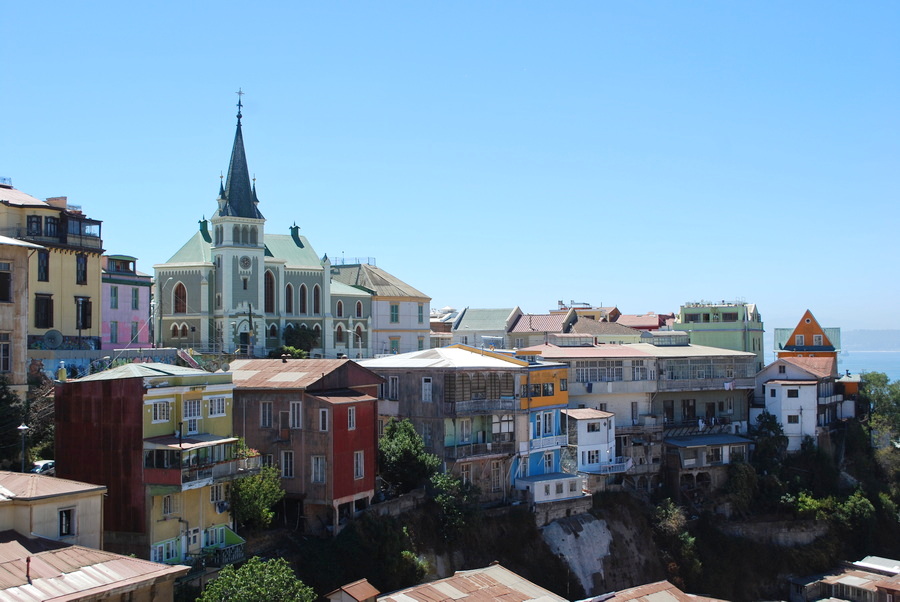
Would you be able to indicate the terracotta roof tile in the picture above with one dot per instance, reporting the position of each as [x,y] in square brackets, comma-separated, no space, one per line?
[823,367]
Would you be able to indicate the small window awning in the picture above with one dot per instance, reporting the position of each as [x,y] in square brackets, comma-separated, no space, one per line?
[171,442]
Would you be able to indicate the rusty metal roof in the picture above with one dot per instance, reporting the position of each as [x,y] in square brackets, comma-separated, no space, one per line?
[188,442]
[586,413]
[661,591]
[358,590]
[493,582]
[346,396]
[72,572]
[28,486]
[276,374]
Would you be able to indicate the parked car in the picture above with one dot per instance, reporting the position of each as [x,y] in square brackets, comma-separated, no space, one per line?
[43,466]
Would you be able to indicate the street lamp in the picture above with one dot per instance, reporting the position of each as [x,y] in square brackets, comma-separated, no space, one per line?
[22,428]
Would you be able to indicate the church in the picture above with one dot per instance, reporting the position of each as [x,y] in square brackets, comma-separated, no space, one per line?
[235,288]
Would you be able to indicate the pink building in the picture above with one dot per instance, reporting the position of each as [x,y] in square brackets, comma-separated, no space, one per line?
[125,310]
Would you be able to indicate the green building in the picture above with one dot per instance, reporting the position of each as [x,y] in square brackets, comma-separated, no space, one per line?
[737,326]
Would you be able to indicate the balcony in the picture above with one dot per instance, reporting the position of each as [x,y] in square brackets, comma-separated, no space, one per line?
[829,399]
[469,450]
[619,465]
[547,442]
[480,406]
[194,477]
[704,384]
[611,386]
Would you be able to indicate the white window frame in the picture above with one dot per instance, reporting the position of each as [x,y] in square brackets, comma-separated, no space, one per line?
[548,462]
[465,430]
[799,340]
[70,522]
[351,418]
[465,473]
[265,414]
[287,464]
[217,493]
[496,474]
[162,411]
[193,412]
[216,406]
[168,505]
[426,388]
[393,388]
[359,464]
[319,469]
[296,420]
[548,424]
[323,420]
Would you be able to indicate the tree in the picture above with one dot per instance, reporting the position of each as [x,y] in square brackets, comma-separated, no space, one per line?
[883,398]
[11,416]
[253,497]
[457,503]
[301,338]
[272,580]
[286,350]
[402,460]
[771,443]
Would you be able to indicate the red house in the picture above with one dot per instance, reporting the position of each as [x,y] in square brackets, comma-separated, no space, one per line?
[316,421]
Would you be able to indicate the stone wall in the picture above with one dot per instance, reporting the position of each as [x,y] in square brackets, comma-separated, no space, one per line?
[780,533]
[547,512]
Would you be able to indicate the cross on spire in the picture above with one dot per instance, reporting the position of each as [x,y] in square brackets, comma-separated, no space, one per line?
[240,93]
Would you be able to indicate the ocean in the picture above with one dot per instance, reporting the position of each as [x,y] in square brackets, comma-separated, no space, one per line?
[870,361]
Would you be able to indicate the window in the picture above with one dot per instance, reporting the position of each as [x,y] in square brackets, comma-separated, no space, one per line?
[351,418]
[559,488]
[114,297]
[548,389]
[161,411]
[548,423]
[339,334]
[799,340]
[465,473]
[793,393]
[593,456]
[714,456]
[265,414]
[465,430]
[214,536]
[217,493]
[135,298]
[772,392]
[426,388]
[537,425]
[168,505]
[340,309]
[729,316]
[81,265]
[395,313]
[323,419]
[269,293]
[83,311]
[288,299]
[113,332]
[394,388]
[782,369]
[192,416]
[301,298]
[593,427]
[217,406]
[135,330]
[5,353]
[51,226]
[287,464]
[729,405]
[296,414]
[67,522]
[421,313]
[395,346]
[359,309]
[268,460]
[817,340]
[43,266]
[688,408]
[359,464]
[317,300]
[793,419]
[5,282]
[496,473]
[573,486]
[318,469]
[180,299]
[548,462]
[34,225]
[563,384]
[420,344]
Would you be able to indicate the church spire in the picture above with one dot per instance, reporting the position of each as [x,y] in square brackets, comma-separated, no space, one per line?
[239,196]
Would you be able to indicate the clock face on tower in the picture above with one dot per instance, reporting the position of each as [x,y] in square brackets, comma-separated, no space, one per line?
[245,262]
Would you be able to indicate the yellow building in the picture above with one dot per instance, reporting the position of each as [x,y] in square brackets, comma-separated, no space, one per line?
[64,277]
[160,436]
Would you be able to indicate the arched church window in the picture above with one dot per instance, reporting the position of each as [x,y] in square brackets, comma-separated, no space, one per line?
[317,300]
[273,331]
[339,334]
[174,331]
[253,236]
[302,298]
[236,235]
[340,309]
[184,331]
[359,337]
[180,299]
[270,293]
[245,235]
[289,299]
[359,309]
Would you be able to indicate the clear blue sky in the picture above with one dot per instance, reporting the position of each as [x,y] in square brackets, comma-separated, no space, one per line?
[491,154]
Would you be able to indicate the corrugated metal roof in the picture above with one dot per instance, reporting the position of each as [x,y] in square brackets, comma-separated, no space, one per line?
[17,197]
[346,396]
[489,583]
[484,319]
[704,440]
[586,413]
[358,590]
[72,572]
[142,370]
[548,351]
[276,374]
[589,326]
[33,486]
[539,323]
[283,246]
[823,367]
[661,591]
[444,357]
[373,278]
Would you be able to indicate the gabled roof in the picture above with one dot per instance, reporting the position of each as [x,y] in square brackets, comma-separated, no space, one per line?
[484,319]
[550,352]
[821,367]
[28,486]
[295,251]
[650,320]
[446,357]
[17,197]
[293,374]
[593,327]
[141,370]
[15,242]
[195,250]
[493,582]
[539,323]
[358,590]
[661,591]
[71,572]
[375,280]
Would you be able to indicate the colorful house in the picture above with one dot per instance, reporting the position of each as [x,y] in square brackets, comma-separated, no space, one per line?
[160,438]
[126,304]
[807,339]
[316,421]
[733,325]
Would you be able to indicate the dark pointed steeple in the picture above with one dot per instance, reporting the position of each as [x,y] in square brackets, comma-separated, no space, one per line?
[239,196]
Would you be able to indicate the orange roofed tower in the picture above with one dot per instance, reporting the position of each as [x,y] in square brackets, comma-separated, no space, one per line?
[807,339]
